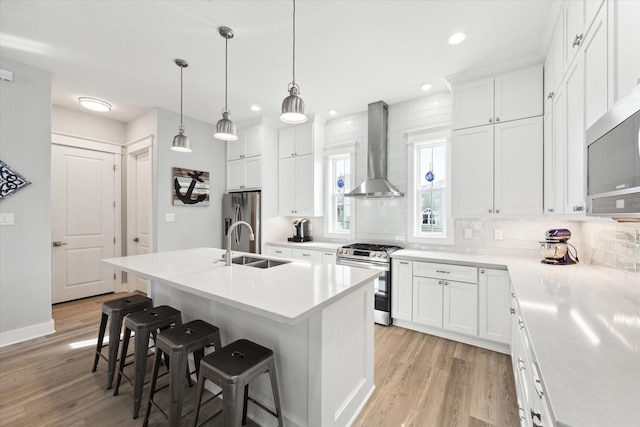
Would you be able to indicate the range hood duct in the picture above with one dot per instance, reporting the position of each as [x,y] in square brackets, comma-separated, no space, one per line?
[376,184]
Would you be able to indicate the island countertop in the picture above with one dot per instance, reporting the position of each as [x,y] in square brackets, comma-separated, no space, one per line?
[288,293]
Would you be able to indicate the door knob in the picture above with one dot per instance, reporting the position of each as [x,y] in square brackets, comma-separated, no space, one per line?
[135,239]
[59,243]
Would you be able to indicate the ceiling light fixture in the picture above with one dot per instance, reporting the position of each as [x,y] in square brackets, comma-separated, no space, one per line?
[95,104]
[181,141]
[457,38]
[226,129]
[255,108]
[293,105]
[333,112]
[426,86]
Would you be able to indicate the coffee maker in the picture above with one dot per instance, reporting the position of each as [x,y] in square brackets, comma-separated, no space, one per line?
[555,248]
[301,230]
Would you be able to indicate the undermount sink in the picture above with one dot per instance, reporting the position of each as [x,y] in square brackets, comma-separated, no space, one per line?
[257,262]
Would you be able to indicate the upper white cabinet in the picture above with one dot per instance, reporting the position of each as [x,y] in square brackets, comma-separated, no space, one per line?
[248,144]
[489,176]
[623,44]
[578,17]
[244,160]
[301,172]
[504,97]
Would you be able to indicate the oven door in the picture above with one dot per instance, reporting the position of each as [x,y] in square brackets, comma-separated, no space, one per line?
[382,288]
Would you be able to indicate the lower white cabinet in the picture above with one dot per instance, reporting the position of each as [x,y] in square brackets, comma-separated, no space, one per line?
[304,254]
[307,254]
[402,289]
[460,307]
[427,301]
[279,251]
[494,320]
[329,257]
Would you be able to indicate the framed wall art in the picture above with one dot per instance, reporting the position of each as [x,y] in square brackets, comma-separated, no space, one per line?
[190,187]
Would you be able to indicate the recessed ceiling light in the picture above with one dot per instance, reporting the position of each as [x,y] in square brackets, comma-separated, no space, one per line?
[94,104]
[457,38]
[255,108]
[426,86]
[333,112]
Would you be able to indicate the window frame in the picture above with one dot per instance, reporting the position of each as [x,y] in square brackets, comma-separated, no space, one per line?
[332,153]
[416,140]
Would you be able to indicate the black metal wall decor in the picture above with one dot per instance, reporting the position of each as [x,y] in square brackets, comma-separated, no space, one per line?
[190,187]
[10,181]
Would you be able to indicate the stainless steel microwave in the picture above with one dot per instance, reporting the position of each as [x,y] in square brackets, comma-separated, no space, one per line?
[613,161]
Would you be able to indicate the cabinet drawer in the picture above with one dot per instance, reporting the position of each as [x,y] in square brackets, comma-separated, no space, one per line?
[459,273]
[279,251]
[307,254]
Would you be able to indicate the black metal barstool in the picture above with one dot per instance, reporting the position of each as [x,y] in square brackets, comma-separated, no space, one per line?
[143,323]
[114,311]
[178,342]
[232,368]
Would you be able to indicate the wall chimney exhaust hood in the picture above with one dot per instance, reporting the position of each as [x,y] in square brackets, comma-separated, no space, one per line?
[376,184]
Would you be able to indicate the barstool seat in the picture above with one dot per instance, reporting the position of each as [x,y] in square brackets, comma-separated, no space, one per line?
[143,323]
[114,311]
[232,368]
[178,342]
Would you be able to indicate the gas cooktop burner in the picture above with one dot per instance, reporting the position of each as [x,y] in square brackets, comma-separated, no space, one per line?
[372,247]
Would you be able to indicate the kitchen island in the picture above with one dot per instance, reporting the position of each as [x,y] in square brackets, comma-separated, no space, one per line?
[317,318]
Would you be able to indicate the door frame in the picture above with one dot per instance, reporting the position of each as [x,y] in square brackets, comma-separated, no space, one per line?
[132,149]
[59,138]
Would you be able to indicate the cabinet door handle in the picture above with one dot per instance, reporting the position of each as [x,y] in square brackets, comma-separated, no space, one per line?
[446,283]
[577,40]
[497,119]
[135,239]
[442,271]
[550,96]
[306,255]
[490,210]
[490,120]
[550,210]
[440,282]
[481,271]
[521,323]
[512,310]
[521,364]
[497,210]
[404,262]
[578,208]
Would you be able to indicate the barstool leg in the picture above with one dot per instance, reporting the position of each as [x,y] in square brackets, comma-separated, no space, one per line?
[154,380]
[103,327]
[123,357]
[114,340]
[231,410]
[244,404]
[276,393]
[176,387]
[201,381]
[140,362]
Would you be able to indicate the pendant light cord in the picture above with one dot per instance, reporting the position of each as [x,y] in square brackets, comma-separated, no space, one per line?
[294,42]
[226,66]
[181,70]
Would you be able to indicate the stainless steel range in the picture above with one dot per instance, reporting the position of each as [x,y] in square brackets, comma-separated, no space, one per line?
[378,257]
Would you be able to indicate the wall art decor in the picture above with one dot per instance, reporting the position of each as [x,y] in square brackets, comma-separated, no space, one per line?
[190,188]
[10,181]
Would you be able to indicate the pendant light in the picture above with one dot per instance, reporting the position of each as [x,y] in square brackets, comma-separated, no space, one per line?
[181,141]
[293,105]
[225,129]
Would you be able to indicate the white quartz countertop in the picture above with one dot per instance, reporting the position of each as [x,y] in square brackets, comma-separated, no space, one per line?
[585,332]
[288,293]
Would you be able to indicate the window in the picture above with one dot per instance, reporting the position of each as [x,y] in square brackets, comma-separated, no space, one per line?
[339,207]
[429,189]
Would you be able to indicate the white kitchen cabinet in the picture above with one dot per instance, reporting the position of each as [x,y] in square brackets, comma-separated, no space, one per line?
[312,255]
[494,302]
[472,171]
[578,17]
[595,69]
[574,186]
[248,144]
[244,174]
[279,251]
[428,301]
[623,47]
[301,170]
[488,174]
[329,257]
[401,289]
[460,307]
[508,96]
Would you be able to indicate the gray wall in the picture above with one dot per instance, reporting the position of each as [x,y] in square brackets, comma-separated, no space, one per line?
[25,248]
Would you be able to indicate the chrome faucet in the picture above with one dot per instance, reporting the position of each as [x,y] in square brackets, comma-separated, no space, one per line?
[229,230]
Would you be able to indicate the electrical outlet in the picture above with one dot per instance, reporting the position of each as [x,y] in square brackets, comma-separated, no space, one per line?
[497,234]
[170,217]
[468,233]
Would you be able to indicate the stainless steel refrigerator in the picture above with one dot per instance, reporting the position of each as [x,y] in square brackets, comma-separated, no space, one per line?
[244,206]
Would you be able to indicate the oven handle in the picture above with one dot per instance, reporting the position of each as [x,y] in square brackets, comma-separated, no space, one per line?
[361,264]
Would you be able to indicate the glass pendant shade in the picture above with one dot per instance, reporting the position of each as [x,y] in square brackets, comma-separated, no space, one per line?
[225,128]
[181,142]
[293,107]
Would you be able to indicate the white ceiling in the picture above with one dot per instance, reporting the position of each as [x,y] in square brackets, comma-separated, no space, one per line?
[348,53]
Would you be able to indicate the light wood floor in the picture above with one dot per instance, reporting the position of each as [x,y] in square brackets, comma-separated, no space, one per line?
[421,380]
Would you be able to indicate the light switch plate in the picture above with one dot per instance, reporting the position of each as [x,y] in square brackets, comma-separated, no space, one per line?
[468,233]
[6,218]
[497,234]
[170,217]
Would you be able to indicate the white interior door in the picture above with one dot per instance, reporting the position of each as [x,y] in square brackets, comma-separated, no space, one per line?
[83,222]
[139,227]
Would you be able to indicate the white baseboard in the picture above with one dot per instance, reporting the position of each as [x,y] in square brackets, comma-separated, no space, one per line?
[27,333]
